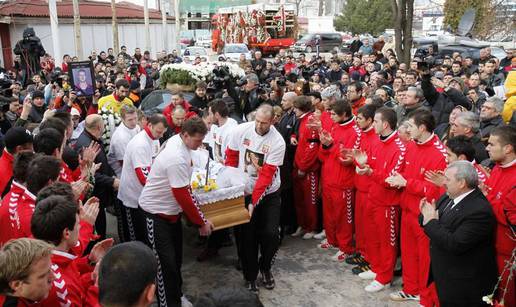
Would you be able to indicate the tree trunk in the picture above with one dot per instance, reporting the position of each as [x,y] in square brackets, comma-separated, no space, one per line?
[321,7]
[114,25]
[77,29]
[403,12]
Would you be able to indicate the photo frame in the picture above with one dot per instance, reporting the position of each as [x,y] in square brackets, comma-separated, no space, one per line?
[82,79]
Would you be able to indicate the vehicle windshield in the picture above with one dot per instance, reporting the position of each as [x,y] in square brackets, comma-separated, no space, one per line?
[305,38]
[236,49]
[196,51]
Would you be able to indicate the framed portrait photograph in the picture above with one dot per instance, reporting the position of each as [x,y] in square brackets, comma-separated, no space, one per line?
[82,80]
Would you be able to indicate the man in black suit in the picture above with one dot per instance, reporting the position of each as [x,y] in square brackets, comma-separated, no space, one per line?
[105,181]
[461,232]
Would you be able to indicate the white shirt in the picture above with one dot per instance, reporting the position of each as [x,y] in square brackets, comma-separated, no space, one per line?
[256,150]
[171,169]
[458,199]
[221,139]
[140,152]
[117,146]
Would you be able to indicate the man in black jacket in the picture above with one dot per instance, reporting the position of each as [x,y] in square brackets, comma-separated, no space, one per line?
[468,124]
[287,126]
[461,232]
[105,182]
[200,101]
[442,104]
[490,116]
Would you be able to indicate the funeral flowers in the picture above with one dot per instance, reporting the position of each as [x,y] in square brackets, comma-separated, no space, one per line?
[189,74]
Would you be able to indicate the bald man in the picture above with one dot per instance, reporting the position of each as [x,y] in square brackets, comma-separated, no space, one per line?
[258,149]
[105,181]
[175,120]
[287,127]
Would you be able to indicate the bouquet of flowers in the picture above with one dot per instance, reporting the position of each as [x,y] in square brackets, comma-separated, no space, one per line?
[189,74]
[111,121]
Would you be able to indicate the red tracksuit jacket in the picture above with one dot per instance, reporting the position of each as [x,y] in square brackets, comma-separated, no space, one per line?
[6,169]
[16,214]
[388,157]
[346,135]
[72,281]
[368,142]
[500,183]
[326,121]
[421,157]
[307,149]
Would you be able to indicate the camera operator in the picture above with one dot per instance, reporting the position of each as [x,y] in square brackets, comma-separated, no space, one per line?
[247,96]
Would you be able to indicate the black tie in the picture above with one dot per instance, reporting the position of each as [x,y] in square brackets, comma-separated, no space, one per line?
[447,207]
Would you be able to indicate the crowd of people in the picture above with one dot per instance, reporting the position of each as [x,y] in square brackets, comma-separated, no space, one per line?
[397,168]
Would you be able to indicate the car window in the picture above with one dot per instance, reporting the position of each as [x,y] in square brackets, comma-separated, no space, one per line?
[306,37]
[236,49]
[197,51]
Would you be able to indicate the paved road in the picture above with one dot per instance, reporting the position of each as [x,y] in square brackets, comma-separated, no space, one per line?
[305,276]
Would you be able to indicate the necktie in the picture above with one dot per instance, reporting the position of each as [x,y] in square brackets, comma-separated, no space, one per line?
[447,207]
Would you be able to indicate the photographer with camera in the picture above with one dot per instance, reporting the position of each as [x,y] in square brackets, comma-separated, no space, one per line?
[246,95]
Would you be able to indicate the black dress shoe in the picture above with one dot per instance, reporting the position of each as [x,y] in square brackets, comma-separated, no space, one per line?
[268,280]
[251,286]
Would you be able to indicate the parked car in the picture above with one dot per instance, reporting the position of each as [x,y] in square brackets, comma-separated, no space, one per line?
[327,43]
[204,42]
[192,52]
[232,52]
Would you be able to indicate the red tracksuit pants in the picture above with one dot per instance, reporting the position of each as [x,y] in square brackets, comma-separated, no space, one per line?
[510,295]
[338,217]
[305,199]
[361,234]
[383,247]
[415,260]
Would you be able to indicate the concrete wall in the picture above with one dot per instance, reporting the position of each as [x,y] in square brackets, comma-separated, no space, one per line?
[98,36]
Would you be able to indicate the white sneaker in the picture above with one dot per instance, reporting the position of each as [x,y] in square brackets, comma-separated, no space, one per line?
[325,245]
[367,275]
[321,235]
[338,255]
[299,231]
[185,302]
[308,235]
[374,286]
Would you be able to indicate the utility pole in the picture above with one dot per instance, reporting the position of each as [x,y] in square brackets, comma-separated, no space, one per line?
[77,29]
[164,25]
[116,44]
[177,14]
[146,19]
[54,27]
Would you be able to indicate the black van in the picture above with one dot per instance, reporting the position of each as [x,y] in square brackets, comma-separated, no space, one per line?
[328,42]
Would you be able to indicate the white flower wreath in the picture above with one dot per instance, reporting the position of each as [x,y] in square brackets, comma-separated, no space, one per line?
[111,121]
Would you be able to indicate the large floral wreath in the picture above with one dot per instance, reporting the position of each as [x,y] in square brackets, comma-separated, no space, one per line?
[111,121]
[189,74]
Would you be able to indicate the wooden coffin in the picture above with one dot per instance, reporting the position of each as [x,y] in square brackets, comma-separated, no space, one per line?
[226,213]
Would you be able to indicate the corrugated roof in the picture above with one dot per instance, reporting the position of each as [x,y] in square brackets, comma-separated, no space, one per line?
[88,9]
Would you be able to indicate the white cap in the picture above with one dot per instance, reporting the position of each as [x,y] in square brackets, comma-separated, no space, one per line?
[75,112]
